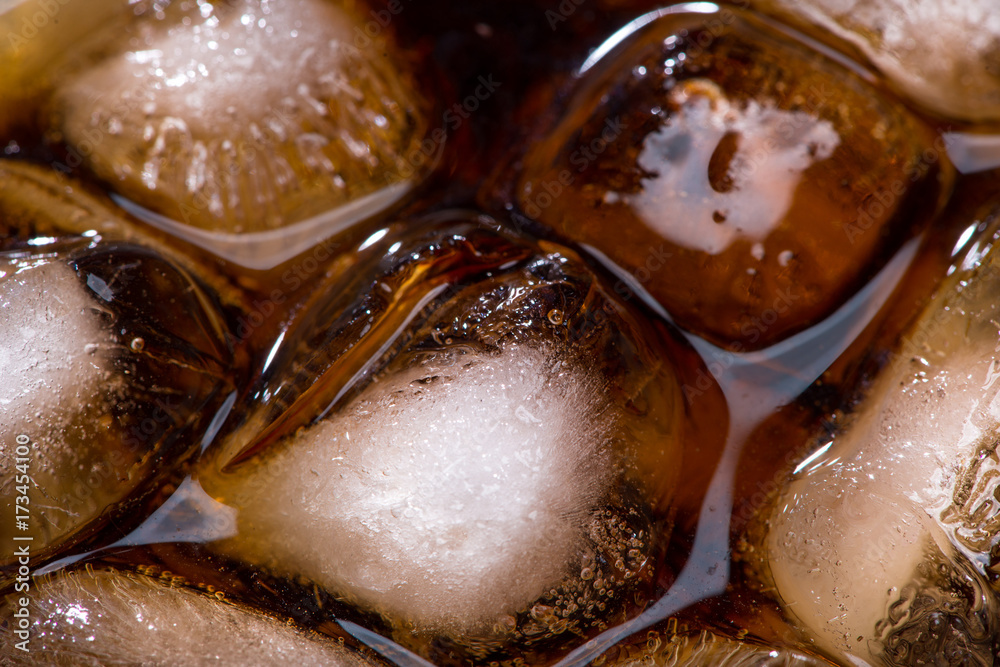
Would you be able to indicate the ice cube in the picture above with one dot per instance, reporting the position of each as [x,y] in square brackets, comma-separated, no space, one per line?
[56,355]
[448,495]
[748,182]
[706,649]
[54,348]
[116,618]
[944,54]
[115,359]
[484,446]
[42,210]
[245,118]
[885,541]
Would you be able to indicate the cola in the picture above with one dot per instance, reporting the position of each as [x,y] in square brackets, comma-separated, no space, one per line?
[565,333]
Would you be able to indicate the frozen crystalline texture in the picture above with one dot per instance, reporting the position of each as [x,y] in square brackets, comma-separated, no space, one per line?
[885,541]
[111,619]
[449,494]
[54,350]
[707,650]
[944,54]
[489,450]
[248,116]
[747,182]
[113,360]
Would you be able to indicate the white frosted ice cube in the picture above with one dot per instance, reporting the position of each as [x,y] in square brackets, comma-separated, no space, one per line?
[247,118]
[853,536]
[55,365]
[446,495]
[53,348]
[107,618]
[944,53]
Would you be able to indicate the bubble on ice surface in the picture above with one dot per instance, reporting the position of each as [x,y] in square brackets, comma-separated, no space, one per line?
[945,54]
[248,117]
[109,618]
[53,345]
[882,543]
[446,495]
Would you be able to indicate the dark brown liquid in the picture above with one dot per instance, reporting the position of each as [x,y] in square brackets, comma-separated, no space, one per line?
[746,418]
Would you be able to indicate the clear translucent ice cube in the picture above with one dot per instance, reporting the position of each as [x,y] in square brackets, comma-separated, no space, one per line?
[245,118]
[110,392]
[487,453]
[108,618]
[885,543]
[750,183]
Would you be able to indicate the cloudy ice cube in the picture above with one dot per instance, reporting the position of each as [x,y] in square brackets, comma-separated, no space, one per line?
[883,543]
[472,436]
[110,618]
[114,362]
[944,54]
[53,346]
[55,358]
[707,649]
[446,495]
[246,117]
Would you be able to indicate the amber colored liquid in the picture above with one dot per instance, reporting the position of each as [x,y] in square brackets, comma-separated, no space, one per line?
[456,45]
